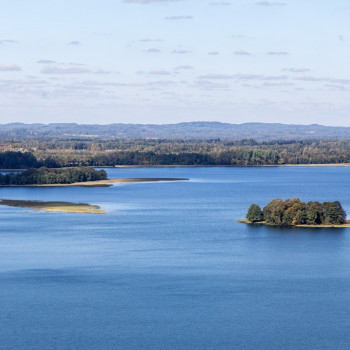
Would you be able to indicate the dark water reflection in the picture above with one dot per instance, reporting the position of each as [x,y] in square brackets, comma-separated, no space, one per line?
[169,268]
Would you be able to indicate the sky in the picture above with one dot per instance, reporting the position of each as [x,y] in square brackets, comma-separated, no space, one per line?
[170,61]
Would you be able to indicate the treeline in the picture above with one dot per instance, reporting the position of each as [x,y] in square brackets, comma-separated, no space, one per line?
[19,160]
[293,212]
[45,176]
[87,152]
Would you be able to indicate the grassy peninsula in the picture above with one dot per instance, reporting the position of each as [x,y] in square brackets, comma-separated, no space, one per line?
[66,207]
[71,176]
[102,183]
[293,212]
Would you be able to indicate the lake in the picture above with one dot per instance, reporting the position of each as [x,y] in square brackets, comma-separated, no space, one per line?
[169,268]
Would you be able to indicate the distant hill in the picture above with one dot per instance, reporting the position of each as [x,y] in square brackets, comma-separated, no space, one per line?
[186,131]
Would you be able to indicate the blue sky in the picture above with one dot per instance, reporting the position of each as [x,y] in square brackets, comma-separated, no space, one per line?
[158,61]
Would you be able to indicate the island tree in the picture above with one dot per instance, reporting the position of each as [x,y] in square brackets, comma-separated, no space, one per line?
[254,213]
[293,212]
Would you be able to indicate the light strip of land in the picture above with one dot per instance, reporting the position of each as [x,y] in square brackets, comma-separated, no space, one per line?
[104,183]
[66,207]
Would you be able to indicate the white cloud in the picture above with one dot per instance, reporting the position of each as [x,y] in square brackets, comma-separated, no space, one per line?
[162,83]
[277,53]
[296,70]
[9,67]
[8,41]
[64,69]
[149,40]
[184,67]
[323,79]
[270,3]
[243,77]
[180,52]
[284,83]
[242,53]
[149,1]
[312,79]
[178,17]
[219,3]
[210,85]
[74,43]
[156,71]
[260,77]
[159,72]
[216,76]
[153,50]
[103,72]
[45,61]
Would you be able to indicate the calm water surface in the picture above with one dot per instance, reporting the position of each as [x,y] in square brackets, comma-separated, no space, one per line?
[169,268]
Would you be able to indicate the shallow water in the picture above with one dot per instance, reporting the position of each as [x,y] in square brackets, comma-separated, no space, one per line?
[169,268]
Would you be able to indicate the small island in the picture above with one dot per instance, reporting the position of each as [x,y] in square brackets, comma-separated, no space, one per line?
[52,176]
[293,212]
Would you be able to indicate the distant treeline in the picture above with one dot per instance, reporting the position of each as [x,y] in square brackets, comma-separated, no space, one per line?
[44,175]
[294,212]
[87,152]
[214,152]
[185,131]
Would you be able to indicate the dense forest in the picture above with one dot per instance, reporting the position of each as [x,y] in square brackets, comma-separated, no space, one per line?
[25,160]
[82,152]
[293,212]
[52,176]
[20,154]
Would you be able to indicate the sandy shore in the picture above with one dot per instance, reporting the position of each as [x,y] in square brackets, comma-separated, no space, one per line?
[103,183]
[66,207]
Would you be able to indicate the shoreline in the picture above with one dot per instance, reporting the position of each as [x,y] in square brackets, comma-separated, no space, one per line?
[103,183]
[198,166]
[245,221]
[228,166]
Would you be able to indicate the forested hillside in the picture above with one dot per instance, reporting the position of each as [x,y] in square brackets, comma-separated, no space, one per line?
[184,131]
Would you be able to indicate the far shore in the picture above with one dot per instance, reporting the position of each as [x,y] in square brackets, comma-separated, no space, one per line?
[103,183]
[228,166]
[203,166]
[316,165]
[245,221]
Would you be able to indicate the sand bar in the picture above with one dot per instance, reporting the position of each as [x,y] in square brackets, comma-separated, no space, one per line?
[104,183]
[66,207]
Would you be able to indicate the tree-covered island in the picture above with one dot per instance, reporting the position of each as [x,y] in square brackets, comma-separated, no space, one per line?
[293,212]
[46,176]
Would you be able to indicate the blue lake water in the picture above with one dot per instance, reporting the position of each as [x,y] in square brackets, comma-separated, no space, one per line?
[169,268]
